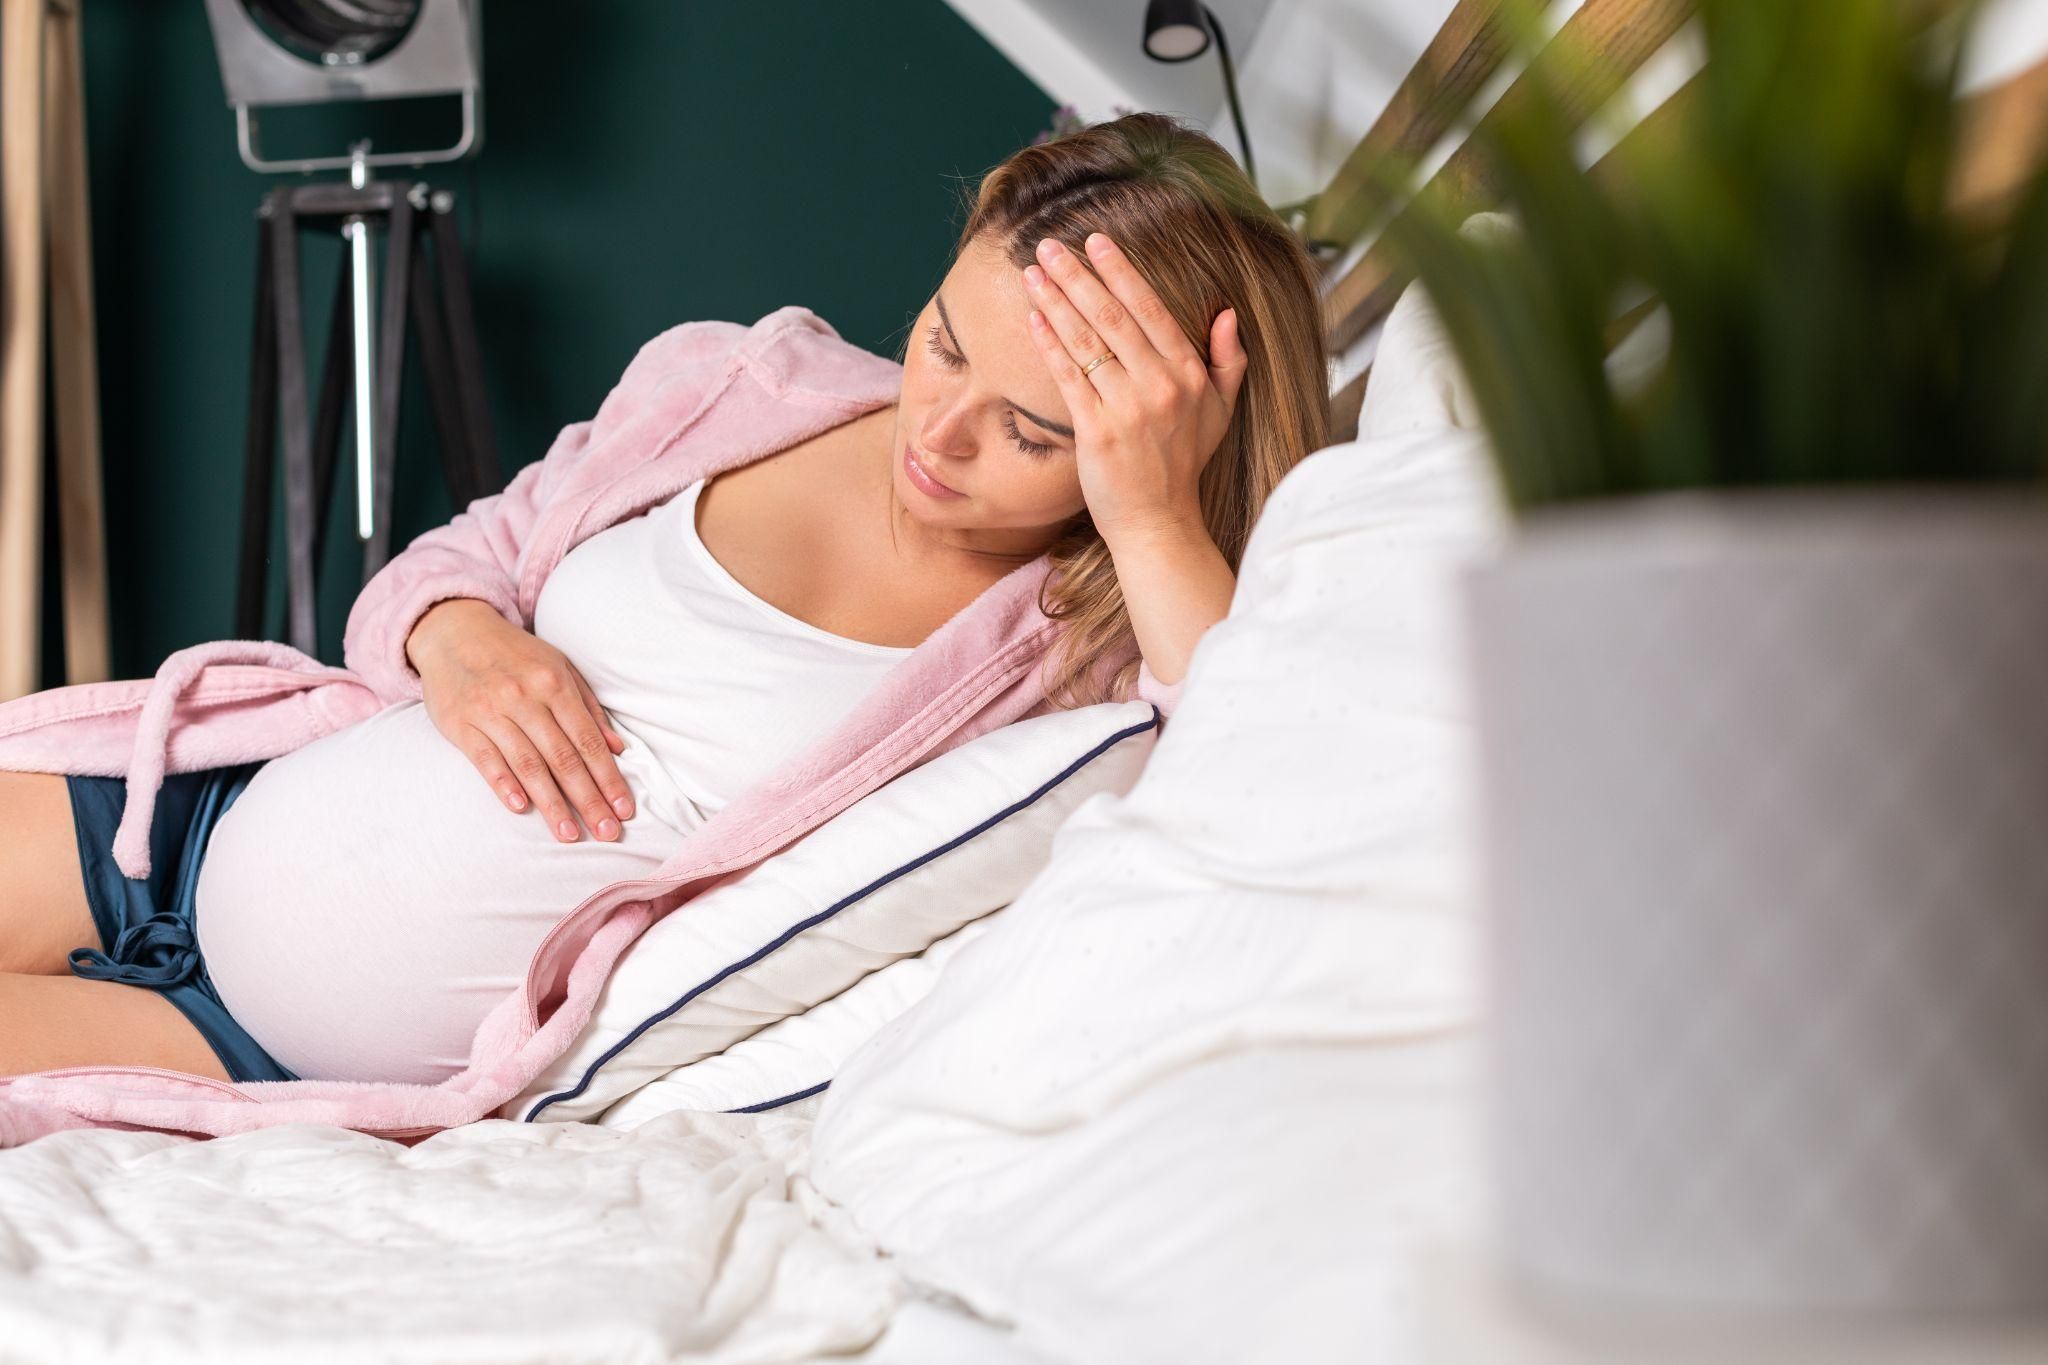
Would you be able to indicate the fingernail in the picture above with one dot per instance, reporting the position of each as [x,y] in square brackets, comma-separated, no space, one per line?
[1034,276]
[623,807]
[567,829]
[1049,248]
[1097,243]
[607,828]
[516,798]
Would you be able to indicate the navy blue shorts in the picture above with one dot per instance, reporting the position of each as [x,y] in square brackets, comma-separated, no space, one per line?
[145,927]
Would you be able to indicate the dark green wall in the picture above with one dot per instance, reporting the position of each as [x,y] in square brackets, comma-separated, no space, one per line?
[647,162]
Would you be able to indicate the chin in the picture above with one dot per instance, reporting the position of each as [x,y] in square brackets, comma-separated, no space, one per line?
[925,511]
[918,507]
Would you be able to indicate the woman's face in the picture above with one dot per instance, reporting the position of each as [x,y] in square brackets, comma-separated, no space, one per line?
[984,441]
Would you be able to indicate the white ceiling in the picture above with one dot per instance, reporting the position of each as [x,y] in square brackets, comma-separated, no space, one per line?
[1312,74]
[1088,53]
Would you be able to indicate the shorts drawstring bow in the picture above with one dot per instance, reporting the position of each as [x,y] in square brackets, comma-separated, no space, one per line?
[158,951]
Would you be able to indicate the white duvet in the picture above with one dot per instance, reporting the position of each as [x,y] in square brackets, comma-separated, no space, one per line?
[498,1242]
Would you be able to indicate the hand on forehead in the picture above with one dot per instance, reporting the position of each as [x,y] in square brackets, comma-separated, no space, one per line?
[985,302]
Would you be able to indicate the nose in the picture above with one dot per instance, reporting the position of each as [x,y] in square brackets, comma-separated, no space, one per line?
[946,428]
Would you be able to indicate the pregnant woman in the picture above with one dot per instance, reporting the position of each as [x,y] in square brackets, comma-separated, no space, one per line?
[1121,362]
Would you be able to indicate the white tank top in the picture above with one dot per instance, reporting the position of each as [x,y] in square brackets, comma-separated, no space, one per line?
[368,898]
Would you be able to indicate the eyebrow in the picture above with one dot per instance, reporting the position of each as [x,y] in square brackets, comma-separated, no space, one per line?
[1059,427]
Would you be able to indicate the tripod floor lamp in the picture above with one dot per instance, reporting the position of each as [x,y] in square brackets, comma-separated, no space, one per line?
[425,282]
[283,52]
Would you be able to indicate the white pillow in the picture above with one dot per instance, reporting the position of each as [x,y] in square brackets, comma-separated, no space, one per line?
[943,844]
[1181,1101]
[1417,384]
[795,1058]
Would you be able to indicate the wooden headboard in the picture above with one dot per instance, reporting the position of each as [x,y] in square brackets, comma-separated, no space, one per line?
[2005,136]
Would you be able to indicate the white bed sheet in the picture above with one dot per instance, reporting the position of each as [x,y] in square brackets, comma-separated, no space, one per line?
[685,1238]
[931,1331]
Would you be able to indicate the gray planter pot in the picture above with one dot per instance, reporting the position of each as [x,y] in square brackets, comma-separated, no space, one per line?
[1765,810]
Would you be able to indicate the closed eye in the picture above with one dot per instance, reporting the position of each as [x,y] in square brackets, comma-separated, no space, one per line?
[954,362]
[1029,447]
[938,349]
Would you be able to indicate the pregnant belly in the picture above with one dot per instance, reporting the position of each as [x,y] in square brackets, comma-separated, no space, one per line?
[367,900]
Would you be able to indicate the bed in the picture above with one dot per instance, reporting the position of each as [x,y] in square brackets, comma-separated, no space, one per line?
[497,1241]
[1278,1137]
[689,1237]
[962,1187]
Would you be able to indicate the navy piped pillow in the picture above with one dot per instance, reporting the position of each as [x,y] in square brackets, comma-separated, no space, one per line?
[909,865]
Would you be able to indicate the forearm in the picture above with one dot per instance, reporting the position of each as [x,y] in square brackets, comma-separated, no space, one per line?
[1176,584]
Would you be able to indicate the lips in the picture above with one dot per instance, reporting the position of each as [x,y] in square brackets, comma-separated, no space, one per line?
[923,479]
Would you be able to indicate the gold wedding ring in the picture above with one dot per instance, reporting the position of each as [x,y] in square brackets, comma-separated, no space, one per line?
[1089,368]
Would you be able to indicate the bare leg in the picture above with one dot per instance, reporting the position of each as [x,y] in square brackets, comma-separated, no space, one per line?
[43,910]
[48,1017]
[53,1021]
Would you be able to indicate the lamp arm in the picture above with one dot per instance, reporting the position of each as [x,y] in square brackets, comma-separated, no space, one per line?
[1230,88]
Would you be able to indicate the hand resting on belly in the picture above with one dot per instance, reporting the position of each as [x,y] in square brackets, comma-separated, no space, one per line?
[521,713]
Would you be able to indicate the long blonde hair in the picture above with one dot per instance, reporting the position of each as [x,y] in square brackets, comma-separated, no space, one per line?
[1196,229]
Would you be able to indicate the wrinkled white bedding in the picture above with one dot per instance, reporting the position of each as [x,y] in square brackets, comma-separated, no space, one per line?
[686,1238]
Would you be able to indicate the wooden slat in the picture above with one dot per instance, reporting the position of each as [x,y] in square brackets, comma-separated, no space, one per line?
[1623,325]
[21,344]
[2004,136]
[1387,281]
[1660,125]
[1588,61]
[74,369]
[1345,404]
[2002,141]
[1368,292]
[1466,51]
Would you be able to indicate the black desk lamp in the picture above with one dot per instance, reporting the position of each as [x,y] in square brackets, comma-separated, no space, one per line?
[1178,31]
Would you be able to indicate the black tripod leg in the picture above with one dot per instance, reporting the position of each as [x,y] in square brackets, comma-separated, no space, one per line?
[253,575]
[303,625]
[469,368]
[334,391]
[439,368]
[390,377]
